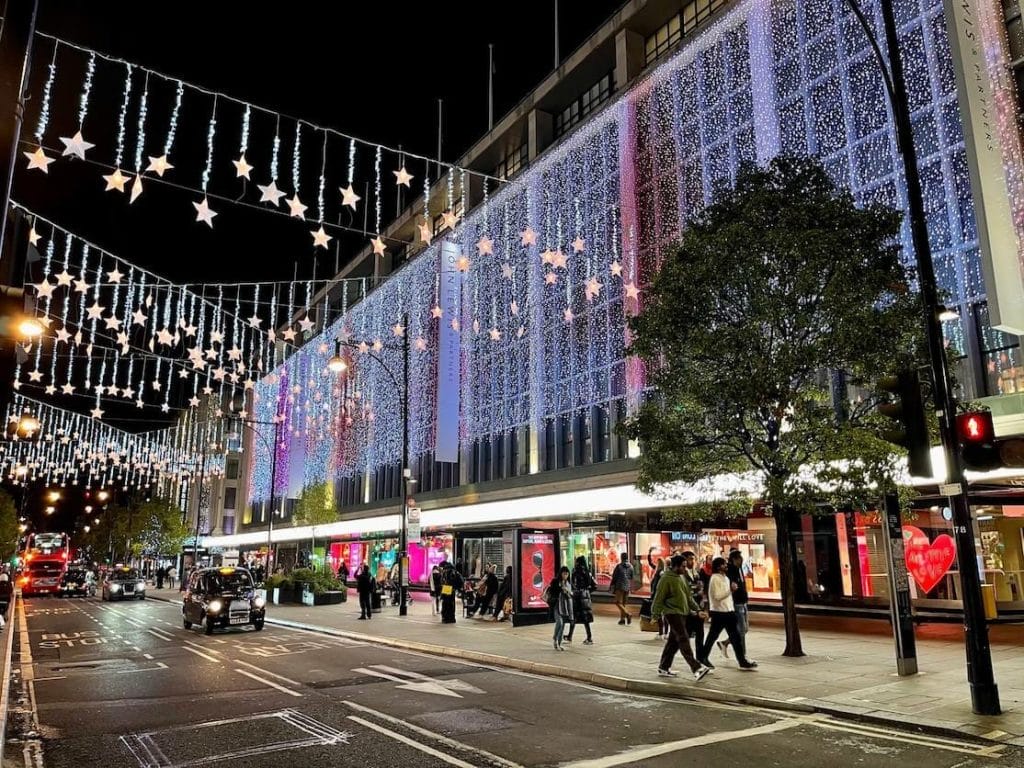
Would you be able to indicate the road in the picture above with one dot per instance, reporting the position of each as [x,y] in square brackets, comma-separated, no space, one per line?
[124,684]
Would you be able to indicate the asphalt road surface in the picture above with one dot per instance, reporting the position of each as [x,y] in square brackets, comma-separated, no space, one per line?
[125,685]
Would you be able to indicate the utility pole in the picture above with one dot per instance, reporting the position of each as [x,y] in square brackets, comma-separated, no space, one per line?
[403,541]
[19,27]
[490,86]
[558,57]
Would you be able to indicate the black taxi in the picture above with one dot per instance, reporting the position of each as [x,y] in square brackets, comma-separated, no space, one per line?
[222,597]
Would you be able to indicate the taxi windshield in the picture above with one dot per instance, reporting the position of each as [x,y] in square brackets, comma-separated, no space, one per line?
[124,573]
[230,581]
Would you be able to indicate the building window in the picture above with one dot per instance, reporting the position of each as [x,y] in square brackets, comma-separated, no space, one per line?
[513,162]
[663,38]
[588,101]
[231,469]
[230,498]
[1000,356]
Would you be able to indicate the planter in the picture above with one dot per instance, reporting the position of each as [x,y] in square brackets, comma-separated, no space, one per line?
[299,588]
[331,597]
[282,595]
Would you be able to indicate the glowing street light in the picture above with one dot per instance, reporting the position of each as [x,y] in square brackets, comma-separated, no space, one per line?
[29,328]
[54,496]
[51,509]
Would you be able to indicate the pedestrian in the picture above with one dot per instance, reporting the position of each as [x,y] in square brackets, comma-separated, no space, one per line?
[364,586]
[695,624]
[172,574]
[489,589]
[723,615]
[160,572]
[658,572]
[622,580]
[451,585]
[504,596]
[740,599]
[582,584]
[435,588]
[343,572]
[558,596]
[675,602]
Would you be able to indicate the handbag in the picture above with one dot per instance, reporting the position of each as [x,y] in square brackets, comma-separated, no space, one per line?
[648,624]
[645,609]
[507,607]
[447,589]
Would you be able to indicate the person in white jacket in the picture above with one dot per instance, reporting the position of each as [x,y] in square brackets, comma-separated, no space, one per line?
[723,616]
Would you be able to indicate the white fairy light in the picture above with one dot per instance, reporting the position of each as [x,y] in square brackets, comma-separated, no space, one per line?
[323,181]
[83,102]
[172,127]
[276,150]
[296,158]
[140,134]
[44,109]
[210,132]
[126,97]
[376,187]
[244,144]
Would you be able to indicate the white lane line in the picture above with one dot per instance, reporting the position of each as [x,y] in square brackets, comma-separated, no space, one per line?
[54,677]
[267,672]
[147,656]
[136,649]
[414,744]
[160,634]
[200,653]
[948,745]
[452,743]
[639,754]
[200,647]
[281,688]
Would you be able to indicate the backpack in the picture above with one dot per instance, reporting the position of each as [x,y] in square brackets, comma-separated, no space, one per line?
[549,596]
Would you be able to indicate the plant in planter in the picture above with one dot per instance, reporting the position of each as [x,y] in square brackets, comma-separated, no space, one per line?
[280,588]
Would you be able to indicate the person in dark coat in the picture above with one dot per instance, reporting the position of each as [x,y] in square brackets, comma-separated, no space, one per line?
[504,593]
[451,582]
[435,587]
[364,586]
[490,581]
[582,585]
[343,572]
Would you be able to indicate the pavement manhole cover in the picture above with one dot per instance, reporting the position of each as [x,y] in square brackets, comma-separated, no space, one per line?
[457,721]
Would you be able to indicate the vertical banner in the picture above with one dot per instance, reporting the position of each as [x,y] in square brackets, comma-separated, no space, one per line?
[449,363]
[973,45]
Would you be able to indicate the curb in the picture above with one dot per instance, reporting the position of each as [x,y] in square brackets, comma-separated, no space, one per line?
[632,685]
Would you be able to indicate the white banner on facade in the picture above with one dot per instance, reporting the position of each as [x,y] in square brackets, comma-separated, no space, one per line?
[997,236]
[449,363]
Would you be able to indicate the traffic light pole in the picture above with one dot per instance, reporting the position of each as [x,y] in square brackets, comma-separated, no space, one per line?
[984,692]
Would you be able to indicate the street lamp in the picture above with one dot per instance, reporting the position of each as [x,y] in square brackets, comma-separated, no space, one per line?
[29,328]
[984,692]
[103,495]
[337,364]
[53,496]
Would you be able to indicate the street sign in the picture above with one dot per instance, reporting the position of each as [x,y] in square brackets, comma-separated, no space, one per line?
[415,531]
[951,489]
[899,589]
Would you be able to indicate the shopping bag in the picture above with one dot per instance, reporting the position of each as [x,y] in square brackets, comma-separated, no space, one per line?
[648,624]
[446,589]
[645,609]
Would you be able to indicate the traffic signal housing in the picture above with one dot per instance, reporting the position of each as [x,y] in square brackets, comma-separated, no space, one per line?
[911,431]
[976,439]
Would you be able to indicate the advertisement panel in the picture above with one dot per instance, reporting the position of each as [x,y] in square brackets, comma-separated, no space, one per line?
[536,568]
[449,362]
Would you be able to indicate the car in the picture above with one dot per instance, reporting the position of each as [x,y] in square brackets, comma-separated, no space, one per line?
[123,583]
[222,598]
[76,581]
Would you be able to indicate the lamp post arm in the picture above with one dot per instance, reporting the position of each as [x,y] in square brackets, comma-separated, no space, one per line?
[379,359]
[883,63]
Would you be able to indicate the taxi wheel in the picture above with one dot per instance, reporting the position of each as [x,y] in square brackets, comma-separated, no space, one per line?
[208,626]
[257,624]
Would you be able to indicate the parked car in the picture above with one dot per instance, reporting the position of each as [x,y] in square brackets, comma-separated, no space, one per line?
[123,583]
[76,582]
[222,597]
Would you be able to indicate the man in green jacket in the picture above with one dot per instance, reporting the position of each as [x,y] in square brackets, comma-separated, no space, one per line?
[674,600]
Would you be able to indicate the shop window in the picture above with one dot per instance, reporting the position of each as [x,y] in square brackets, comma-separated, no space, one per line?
[566,442]
[513,453]
[498,455]
[1000,356]
[515,160]
[601,438]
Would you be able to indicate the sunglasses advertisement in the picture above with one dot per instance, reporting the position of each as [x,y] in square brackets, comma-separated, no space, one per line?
[536,569]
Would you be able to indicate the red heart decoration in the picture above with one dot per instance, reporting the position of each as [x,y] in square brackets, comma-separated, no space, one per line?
[927,560]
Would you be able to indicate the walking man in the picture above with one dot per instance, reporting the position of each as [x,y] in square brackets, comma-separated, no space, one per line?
[695,624]
[723,615]
[364,587]
[674,601]
[622,580]
[740,599]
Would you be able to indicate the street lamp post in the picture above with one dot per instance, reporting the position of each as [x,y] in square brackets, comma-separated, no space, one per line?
[337,364]
[984,692]
[272,450]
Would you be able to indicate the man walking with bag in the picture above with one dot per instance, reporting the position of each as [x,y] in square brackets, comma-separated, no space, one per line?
[622,581]
[674,601]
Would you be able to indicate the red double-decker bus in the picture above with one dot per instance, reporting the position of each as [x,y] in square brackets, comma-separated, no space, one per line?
[44,563]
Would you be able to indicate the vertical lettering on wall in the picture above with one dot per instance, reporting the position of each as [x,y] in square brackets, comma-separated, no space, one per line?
[449,362]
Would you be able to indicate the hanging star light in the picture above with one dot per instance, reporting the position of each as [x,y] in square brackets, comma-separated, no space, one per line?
[402,177]
[436,311]
[204,213]
[398,330]
[159,165]
[44,290]
[378,246]
[38,160]
[616,269]
[136,189]
[321,238]
[349,196]
[242,168]
[484,246]
[449,219]
[269,193]
[76,146]
[114,275]
[578,244]
[462,263]
[529,237]
[115,181]
[295,207]
[632,292]
[425,232]
[33,236]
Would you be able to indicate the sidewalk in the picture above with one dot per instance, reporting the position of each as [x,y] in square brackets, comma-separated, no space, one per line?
[849,668]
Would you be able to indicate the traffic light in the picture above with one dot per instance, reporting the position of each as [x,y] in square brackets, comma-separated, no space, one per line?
[976,437]
[907,408]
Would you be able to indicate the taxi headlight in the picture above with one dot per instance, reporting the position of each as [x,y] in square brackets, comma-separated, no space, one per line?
[213,606]
[259,602]
[115,587]
[141,585]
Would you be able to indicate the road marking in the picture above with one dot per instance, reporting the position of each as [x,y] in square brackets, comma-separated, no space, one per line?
[136,649]
[200,653]
[454,685]
[639,754]
[159,633]
[414,681]
[414,744]
[921,740]
[53,677]
[452,743]
[200,647]
[266,672]
[147,656]
[281,688]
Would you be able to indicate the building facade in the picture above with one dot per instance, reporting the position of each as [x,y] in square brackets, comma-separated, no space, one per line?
[514,315]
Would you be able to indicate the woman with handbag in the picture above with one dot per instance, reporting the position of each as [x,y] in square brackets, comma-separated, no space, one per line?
[582,607]
[451,585]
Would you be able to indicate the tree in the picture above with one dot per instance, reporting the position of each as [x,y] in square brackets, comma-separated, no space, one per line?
[162,531]
[150,528]
[779,281]
[8,525]
[315,507]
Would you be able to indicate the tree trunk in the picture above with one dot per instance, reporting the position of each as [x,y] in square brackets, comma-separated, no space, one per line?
[787,585]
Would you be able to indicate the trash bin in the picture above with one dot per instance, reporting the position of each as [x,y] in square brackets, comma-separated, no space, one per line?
[988,600]
[375,600]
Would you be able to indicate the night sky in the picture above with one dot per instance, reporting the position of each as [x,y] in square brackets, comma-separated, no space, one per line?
[374,72]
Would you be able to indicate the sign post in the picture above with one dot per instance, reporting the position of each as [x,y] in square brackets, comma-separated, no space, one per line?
[899,589]
[415,530]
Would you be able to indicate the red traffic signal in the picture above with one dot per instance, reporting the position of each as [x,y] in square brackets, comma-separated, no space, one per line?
[977,438]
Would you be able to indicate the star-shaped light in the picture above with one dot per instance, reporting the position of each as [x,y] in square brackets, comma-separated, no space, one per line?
[378,246]
[295,207]
[578,244]
[484,246]
[35,375]
[158,165]
[270,193]
[632,292]
[111,389]
[615,269]
[289,334]
[495,334]
[402,176]
[128,392]
[204,213]
[63,278]
[547,256]
[306,324]
[558,259]
[38,160]
[398,329]
[349,196]
[33,236]
[216,337]
[255,320]
[550,278]
[242,168]
[114,275]
[63,335]
[506,271]
[82,284]
[97,412]
[139,317]
[362,347]
[95,311]
[190,330]
[436,311]
[165,337]
[449,219]
[528,237]
[75,146]
[115,180]
[592,289]
[234,354]
[425,232]
[155,384]
[112,323]
[462,263]
[193,402]
[50,389]
[67,388]
[321,238]
[122,338]
[567,315]
[377,345]
[44,290]
[455,324]
[420,344]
